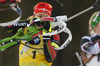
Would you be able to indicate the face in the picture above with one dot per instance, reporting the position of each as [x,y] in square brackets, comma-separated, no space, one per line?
[97,28]
[41,15]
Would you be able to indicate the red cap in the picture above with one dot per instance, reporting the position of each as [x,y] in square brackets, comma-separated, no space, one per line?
[43,7]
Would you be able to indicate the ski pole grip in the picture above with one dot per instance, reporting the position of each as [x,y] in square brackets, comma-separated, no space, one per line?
[96,6]
[61,18]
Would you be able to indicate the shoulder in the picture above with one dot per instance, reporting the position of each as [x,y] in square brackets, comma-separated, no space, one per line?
[86,37]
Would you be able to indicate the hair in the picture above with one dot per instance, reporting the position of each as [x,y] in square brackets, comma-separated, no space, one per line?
[30,17]
[92,31]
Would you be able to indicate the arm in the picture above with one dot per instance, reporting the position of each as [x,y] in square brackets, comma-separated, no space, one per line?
[89,45]
[28,33]
[21,24]
[49,44]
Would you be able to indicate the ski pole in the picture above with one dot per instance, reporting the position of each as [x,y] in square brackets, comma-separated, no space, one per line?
[79,58]
[95,7]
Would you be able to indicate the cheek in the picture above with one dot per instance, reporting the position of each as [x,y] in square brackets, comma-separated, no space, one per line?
[99,25]
[36,15]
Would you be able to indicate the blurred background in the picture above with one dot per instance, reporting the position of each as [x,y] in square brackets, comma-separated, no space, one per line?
[78,27]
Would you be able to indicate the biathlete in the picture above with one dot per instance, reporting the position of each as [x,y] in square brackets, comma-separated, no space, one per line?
[90,45]
[34,50]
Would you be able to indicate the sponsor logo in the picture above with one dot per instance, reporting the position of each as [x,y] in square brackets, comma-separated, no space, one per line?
[67,43]
[44,10]
[9,25]
[20,24]
[48,19]
[37,40]
[37,34]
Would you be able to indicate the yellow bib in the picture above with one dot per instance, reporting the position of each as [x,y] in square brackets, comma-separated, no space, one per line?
[32,57]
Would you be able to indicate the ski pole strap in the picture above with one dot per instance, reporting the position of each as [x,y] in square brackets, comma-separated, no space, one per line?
[15,7]
[5,2]
[62,28]
[67,41]
[94,7]
[79,58]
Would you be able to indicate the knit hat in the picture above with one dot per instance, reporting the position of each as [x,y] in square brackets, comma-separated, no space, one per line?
[43,7]
[95,20]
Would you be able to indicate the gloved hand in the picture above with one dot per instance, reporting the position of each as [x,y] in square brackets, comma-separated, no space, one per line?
[95,38]
[37,21]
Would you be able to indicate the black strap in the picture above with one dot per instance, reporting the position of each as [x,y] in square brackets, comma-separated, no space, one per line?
[99,57]
[32,47]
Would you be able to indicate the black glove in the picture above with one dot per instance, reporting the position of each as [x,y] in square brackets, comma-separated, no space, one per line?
[95,38]
[45,24]
[36,21]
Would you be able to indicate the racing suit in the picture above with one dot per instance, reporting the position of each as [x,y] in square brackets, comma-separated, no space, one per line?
[91,46]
